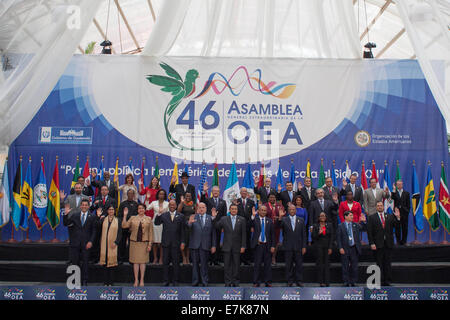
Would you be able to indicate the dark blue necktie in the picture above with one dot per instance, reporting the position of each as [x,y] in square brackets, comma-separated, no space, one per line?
[263,232]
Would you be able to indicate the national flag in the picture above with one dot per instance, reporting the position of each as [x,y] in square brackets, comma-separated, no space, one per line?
[388,203]
[27,199]
[416,202]
[156,168]
[374,174]
[348,172]
[17,197]
[292,177]
[215,181]
[130,168]
[333,174]
[231,192]
[308,169]
[99,176]
[186,168]
[444,201]
[363,177]
[40,199]
[86,173]
[321,180]
[397,173]
[5,204]
[202,182]
[53,207]
[116,181]
[429,200]
[249,183]
[174,179]
[280,177]
[76,173]
[262,176]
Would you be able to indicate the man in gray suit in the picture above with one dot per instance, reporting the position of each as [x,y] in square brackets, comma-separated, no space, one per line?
[373,195]
[74,200]
[234,239]
[202,240]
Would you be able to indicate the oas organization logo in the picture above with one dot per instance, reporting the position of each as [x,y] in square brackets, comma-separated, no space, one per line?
[362,138]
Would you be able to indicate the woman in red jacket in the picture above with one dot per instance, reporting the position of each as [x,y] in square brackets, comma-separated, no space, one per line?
[350,205]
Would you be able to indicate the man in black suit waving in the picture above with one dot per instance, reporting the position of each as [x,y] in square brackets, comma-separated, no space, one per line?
[172,240]
[380,231]
[263,243]
[234,239]
[183,187]
[113,186]
[349,244]
[307,192]
[322,205]
[294,245]
[81,224]
[402,201]
[202,241]
[220,206]
[264,191]
[286,196]
[357,190]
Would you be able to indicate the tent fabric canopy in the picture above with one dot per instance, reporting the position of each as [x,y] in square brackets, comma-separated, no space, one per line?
[39,37]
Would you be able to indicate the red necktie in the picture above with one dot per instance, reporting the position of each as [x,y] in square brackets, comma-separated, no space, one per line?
[103,200]
[382,219]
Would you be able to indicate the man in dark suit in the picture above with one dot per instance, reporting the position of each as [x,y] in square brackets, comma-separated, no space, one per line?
[286,196]
[264,191]
[322,205]
[349,244]
[183,187]
[328,194]
[246,206]
[81,224]
[202,241]
[307,192]
[357,190]
[86,187]
[220,206]
[112,186]
[380,231]
[263,244]
[402,201]
[294,245]
[234,239]
[172,240]
[131,205]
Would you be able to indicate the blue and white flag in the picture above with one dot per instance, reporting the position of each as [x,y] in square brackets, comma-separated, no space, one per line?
[40,199]
[292,177]
[333,175]
[202,182]
[348,173]
[416,201]
[5,206]
[388,203]
[130,168]
[279,178]
[249,183]
[231,192]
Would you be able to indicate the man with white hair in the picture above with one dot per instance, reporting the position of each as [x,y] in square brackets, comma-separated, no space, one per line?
[265,190]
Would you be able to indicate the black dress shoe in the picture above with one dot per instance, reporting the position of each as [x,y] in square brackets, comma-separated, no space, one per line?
[166,284]
[290,284]
[204,284]
[195,284]
[299,284]
[268,285]
[255,285]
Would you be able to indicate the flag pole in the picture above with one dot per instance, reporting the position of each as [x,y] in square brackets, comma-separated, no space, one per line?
[429,225]
[415,242]
[55,240]
[27,238]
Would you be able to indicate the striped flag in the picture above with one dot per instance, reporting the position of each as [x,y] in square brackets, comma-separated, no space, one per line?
[174,180]
[17,195]
[429,200]
[5,204]
[76,173]
[388,203]
[374,174]
[53,207]
[231,192]
[363,177]
[86,173]
[444,201]
[27,199]
[416,202]
[215,181]
[156,169]
[202,182]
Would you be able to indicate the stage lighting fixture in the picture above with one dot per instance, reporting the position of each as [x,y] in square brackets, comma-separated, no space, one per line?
[367,54]
[106,47]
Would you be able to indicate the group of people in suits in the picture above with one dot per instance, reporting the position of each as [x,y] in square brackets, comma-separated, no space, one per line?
[249,234]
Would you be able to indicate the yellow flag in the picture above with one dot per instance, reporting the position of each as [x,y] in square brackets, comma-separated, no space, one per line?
[308,169]
[175,174]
